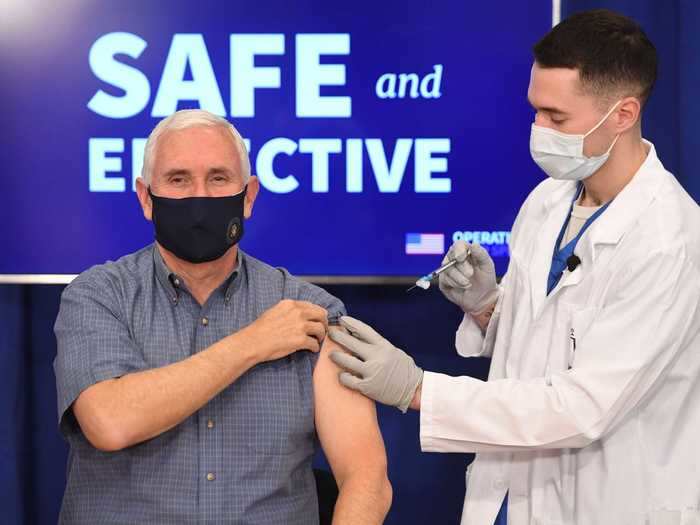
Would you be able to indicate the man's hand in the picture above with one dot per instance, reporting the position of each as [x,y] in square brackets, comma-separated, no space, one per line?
[471,283]
[283,329]
[377,368]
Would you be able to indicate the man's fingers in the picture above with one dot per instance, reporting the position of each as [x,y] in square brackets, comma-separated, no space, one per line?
[464,268]
[459,251]
[316,330]
[360,330]
[313,312]
[348,362]
[350,381]
[313,344]
[354,345]
[479,255]
[454,279]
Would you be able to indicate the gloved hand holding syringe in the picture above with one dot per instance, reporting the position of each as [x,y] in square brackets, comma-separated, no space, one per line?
[424,282]
[467,277]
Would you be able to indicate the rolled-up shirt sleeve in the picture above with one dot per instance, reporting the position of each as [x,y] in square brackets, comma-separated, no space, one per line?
[93,343]
[306,291]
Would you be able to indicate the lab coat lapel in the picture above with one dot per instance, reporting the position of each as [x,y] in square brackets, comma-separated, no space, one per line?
[585,252]
[556,208]
[625,209]
[611,226]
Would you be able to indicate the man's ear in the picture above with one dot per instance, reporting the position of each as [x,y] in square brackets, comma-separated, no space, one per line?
[144,199]
[250,196]
[627,114]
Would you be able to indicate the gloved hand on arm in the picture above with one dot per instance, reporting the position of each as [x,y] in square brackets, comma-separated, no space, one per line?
[471,283]
[376,368]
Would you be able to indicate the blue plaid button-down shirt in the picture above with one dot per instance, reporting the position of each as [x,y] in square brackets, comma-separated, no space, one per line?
[243,458]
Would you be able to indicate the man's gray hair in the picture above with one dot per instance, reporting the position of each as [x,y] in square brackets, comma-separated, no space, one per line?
[189,118]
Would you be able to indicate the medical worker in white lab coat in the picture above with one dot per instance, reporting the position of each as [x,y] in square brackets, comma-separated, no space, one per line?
[591,412]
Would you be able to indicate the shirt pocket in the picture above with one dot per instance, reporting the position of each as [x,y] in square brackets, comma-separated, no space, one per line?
[273,407]
[580,322]
[673,517]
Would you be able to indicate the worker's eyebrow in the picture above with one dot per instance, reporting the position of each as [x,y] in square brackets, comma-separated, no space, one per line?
[547,109]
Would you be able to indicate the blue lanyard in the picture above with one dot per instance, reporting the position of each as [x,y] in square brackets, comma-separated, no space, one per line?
[502,518]
[559,257]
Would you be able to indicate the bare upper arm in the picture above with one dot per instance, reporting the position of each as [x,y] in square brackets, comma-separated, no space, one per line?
[346,421]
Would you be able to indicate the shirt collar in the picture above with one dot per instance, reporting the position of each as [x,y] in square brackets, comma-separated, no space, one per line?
[174,284]
[625,207]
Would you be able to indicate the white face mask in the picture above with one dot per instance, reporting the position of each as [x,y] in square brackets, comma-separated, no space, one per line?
[560,155]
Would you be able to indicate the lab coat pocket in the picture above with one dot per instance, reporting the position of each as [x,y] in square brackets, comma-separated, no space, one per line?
[580,322]
[674,517]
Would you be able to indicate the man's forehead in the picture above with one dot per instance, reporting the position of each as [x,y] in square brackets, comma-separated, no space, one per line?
[206,144]
[194,134]
[554,87]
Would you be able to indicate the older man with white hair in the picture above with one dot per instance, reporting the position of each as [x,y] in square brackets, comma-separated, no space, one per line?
[192,378]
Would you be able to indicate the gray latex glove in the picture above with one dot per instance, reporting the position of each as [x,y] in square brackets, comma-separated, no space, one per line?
[377,368]
[471,283]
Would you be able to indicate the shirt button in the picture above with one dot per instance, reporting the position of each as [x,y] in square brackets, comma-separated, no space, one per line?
[499,484]
[211,476]
[205,321]
[176,282]
[210,423]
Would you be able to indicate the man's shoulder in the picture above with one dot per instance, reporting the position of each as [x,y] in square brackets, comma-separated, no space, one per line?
[548,190]
[549,186]
[671,223]
[124,272]
[533,210]
[288,286]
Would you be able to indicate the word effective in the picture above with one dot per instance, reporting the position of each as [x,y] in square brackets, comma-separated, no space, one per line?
[388,168]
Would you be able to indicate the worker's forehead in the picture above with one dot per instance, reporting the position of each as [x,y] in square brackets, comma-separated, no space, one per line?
[555,88]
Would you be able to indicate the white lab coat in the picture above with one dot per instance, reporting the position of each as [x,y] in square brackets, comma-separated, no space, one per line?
[607,432]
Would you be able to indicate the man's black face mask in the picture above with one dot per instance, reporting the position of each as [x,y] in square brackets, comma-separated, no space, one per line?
[198,229]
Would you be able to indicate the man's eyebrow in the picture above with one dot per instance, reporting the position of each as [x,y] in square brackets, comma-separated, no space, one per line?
[176,171]
[547,109]
[219,169]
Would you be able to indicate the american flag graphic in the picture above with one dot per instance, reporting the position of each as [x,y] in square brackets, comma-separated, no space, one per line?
[425,244]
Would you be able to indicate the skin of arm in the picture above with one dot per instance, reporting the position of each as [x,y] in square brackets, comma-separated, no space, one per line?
[347,427]
[101,410]
[482,319]
[118,413]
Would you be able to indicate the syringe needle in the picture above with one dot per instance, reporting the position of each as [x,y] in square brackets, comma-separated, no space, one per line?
[427,278]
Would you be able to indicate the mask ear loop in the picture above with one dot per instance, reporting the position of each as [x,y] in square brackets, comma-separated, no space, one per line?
[601,123]
[243,192]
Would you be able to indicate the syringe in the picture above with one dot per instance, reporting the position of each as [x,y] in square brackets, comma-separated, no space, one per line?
[424,282]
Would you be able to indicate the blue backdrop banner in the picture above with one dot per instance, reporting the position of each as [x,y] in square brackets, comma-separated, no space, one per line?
[379,133]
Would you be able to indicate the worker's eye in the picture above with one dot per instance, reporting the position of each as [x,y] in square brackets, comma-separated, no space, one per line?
[558,121]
